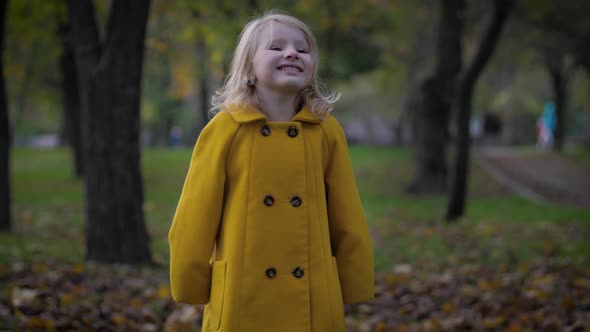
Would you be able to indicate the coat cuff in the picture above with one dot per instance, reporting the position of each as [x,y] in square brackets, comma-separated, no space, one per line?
[191,286]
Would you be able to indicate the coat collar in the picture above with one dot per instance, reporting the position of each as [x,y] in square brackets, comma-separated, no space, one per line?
[251,114]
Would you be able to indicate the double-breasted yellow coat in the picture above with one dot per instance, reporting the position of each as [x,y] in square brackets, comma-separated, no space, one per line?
[269,231]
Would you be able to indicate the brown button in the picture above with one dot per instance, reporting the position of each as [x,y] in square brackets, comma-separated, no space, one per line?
[271,272]
[269,200]
[296,201]
[293,131]
[298,272]
[265,130]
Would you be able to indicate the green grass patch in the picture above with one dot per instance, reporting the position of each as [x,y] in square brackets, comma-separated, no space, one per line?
[499,227]
[579,155]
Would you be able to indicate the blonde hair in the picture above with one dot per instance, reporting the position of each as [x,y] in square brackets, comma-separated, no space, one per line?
[237,90]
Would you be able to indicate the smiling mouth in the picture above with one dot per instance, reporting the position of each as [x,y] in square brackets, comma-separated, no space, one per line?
[290,68]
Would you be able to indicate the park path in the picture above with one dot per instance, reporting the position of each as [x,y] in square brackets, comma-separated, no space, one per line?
[538,175]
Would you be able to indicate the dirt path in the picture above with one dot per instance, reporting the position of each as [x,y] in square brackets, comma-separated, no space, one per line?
[539,176]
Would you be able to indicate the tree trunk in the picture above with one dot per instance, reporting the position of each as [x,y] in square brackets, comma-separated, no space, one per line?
[22,97]
[586,141]
[71,99]
[432,104]
[202,65]
[110,77]
[559,82]
[330,38]
[5,201]
[462,103]
[204,95]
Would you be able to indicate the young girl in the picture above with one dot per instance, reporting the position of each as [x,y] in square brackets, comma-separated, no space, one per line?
[269,231]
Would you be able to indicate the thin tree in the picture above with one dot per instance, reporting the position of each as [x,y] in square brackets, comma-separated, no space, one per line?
[71,96]
[433,103]
[560,69]
[565,46]
[110,76]
[5,201]
[462,106]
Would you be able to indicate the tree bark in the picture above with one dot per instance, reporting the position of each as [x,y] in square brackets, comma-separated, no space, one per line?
[559,89]
[71,99]
[432,104]
[110,76]
[555,63]
[5,198]
[204,94]
[203,73]
[462,104]
[586,139]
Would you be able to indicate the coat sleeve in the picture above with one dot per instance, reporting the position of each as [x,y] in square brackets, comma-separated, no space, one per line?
[349,232]
[198,214]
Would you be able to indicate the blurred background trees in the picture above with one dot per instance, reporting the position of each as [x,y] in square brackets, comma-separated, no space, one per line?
[395,62]
[374,53]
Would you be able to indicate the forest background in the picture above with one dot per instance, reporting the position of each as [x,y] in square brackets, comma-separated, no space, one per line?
[423,84]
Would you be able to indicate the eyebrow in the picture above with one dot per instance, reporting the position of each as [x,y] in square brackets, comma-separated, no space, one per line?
[282,40]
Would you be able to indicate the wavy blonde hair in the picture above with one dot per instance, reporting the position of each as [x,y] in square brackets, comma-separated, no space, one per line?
[237,91]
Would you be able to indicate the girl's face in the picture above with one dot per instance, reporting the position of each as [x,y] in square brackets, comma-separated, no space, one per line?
[283,61]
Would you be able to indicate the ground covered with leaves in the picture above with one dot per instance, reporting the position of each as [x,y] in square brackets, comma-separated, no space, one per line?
[509,265]
[546,295]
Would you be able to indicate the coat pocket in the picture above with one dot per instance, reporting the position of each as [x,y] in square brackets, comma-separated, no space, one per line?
[337,304]
[217,293]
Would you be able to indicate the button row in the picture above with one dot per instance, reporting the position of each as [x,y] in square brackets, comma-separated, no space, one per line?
[271,272]
[292,131]
[296,201]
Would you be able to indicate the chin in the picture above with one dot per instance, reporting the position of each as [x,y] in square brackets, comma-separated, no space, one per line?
[292,86]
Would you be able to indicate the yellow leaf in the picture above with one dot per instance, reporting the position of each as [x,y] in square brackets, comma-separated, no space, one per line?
[164,291]
[513,327]
[567,302]
[493,322]
[78,268]
[136,303]
[448,308]
[535,293]
[119,319]
[582,283]
[380,327]
[67,299]
[18,314]
[38,268]
[488,285]
[36,323]
[77,289]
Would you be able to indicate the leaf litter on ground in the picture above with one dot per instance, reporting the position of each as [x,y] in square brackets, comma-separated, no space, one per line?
[546,294]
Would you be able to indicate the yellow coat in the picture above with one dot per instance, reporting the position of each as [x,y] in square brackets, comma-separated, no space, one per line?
[279,203]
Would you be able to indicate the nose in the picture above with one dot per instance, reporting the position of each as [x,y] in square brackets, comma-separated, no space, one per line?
[291,54]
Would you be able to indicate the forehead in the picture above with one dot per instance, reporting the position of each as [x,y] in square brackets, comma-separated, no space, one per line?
[278,31]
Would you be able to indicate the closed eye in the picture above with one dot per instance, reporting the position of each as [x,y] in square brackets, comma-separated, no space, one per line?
[275,48]
[301,50]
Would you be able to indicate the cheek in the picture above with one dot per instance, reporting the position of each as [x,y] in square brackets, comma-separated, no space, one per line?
[263,65]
